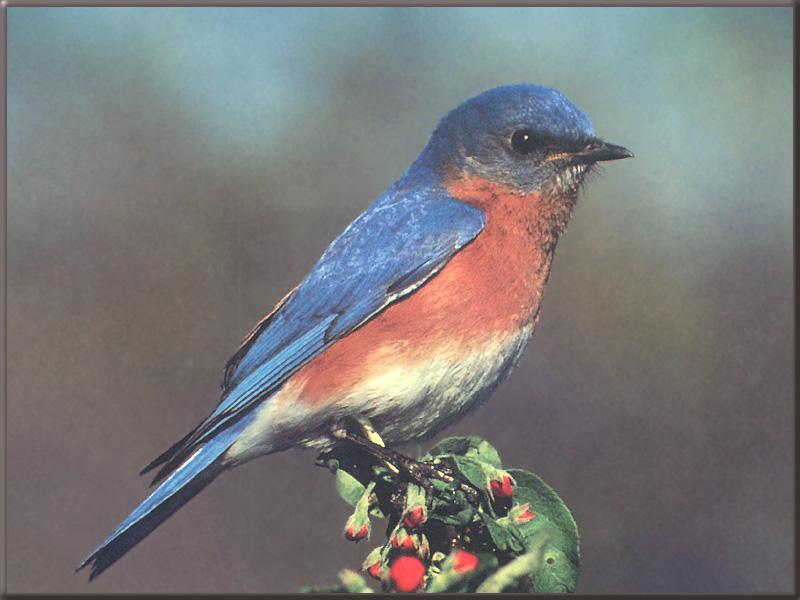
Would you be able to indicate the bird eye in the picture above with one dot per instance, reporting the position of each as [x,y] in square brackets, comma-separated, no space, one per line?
[523,141]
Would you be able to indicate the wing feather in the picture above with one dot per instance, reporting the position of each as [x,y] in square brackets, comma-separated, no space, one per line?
[393,248]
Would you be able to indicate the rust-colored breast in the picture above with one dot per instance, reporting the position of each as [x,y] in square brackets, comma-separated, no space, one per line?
[492,287]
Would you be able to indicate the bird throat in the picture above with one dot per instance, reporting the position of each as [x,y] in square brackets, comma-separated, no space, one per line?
[509,262]
[536,219]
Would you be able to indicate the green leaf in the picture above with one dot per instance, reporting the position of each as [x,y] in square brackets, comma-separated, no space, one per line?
[375,556]
[545,501]
[514,575]
[353,582]
[472,447]
[501,536]
[557,574]
[449,445]
[476,472]
[446,514]
[415,496]
[349,488]
[561,566]
[484,451]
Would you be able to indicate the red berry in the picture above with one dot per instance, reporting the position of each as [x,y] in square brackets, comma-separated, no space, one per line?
[414,517]
[502,489]
[408,544]
[464,561]
[353,535]
[375,570]
[524,517]
[407,573]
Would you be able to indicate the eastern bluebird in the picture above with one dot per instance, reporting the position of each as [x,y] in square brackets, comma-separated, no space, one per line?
[414,314]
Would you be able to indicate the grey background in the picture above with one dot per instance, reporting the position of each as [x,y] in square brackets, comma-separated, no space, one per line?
[172,172]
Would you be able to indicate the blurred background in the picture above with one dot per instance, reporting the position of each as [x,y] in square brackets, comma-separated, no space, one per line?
[173,172]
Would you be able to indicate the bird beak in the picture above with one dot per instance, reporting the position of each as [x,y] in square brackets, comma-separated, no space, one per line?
[599,150]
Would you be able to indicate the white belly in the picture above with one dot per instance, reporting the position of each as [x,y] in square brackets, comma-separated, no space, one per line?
[403,401]
[414,402]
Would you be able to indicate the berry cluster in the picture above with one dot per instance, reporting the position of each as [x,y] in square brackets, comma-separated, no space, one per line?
[467,525]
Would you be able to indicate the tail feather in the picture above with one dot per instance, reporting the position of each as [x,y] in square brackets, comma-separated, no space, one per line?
[166,455]
[194,474]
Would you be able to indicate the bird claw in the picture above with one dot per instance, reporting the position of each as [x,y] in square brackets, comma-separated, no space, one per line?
[369,431]
[339,432]
[362,425]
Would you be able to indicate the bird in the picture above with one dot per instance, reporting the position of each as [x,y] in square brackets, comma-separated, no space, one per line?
[413,315]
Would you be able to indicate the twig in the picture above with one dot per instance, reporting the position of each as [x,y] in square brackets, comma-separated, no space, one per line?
[417,471]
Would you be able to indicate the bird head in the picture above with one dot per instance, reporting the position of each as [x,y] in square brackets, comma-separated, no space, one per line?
[525,136]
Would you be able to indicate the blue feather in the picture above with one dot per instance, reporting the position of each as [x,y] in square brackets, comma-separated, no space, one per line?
[404,238]
[180,487]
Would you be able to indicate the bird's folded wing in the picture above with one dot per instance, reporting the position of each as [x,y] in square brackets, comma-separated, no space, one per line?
[384,255]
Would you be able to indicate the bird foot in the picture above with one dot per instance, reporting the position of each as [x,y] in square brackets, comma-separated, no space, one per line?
[369,431]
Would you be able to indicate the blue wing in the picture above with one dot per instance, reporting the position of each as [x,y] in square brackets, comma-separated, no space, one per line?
[401,241]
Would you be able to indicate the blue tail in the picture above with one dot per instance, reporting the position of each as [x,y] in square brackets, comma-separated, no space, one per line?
[194,474]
